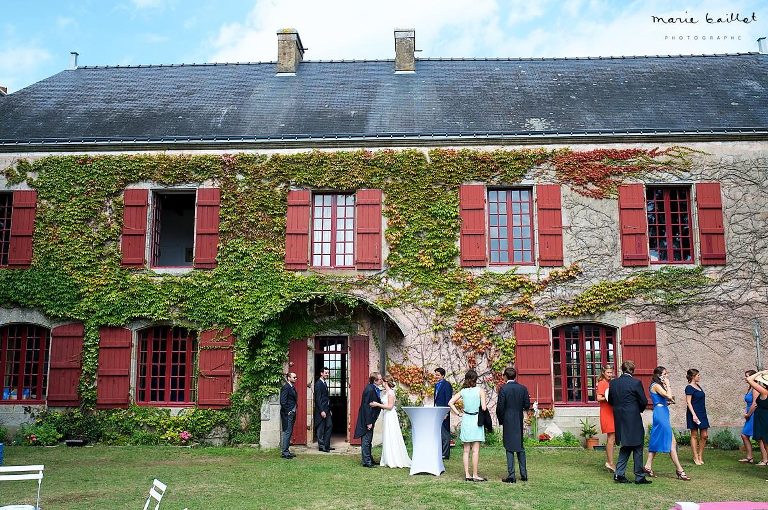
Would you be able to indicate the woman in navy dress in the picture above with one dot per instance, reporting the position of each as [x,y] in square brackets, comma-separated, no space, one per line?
[759,383]
[696,415]
[750,399]
[662,439]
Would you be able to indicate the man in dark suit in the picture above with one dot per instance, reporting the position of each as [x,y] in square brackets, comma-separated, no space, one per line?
[443,394]
[288,399]
[628,399]
[367,416]
[513,400]
[323,420]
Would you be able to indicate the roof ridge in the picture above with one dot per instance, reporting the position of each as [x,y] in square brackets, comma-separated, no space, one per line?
[429,59]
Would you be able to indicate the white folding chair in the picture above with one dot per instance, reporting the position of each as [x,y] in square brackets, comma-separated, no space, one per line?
[11,473]
[155,492]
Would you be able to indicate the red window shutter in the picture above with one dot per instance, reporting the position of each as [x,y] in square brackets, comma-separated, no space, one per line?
[638,343]
[472,235]
[207,227]
[550,220]
[633,224]
[533,360]
[215,367]
[65,365]
[297,230]
[368,235]
[135,227]
[114,370]
[22,228]
[297,363]
[711,230]
[358,379]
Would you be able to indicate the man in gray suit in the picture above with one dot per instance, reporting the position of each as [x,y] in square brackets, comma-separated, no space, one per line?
[513,401]
[628,399]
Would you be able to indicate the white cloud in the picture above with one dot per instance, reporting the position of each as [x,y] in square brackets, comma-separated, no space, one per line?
[19,63]
[147,4]
[65,22]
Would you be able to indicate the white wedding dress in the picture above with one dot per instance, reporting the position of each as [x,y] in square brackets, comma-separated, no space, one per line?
[393,451]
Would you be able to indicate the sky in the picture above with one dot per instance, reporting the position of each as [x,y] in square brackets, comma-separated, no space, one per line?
[37,36]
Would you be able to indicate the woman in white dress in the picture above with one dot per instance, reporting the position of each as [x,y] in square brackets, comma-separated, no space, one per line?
[393,451]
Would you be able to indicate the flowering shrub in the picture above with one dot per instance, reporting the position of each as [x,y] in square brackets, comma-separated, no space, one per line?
[185,436]
[44,434]
[544,437]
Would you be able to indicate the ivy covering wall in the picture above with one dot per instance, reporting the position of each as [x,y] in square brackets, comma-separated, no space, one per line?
[76,272]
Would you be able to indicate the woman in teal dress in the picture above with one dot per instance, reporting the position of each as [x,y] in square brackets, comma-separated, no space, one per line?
[662,439]
[471,435]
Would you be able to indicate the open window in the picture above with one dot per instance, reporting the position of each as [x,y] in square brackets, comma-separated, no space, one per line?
[173,229]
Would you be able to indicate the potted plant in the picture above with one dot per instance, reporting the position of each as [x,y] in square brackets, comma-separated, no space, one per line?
[588,432]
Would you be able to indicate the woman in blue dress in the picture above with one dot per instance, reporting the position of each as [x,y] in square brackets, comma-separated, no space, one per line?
[750,399]
[471,435]
[662,439]
[759,382]
[696,415]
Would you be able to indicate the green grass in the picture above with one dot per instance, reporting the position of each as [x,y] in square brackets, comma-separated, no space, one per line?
[245,478]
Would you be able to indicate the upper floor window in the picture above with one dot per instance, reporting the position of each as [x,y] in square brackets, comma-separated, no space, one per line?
[173,229]
[578,353]
[6,206]
[165,365]
[670,237]
[510,226]
[24,361]
[333,230]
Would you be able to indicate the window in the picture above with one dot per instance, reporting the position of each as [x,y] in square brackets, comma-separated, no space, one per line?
[24,362]
[6,206]
[510,216]
[578,353]
[173,229]
[333,351]
[670,237]
[165,365]
[333,230]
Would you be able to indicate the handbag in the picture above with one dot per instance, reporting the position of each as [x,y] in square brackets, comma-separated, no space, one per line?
[484,419]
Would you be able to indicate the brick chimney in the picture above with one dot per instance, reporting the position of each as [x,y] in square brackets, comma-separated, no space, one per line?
[289,51]
[405,47]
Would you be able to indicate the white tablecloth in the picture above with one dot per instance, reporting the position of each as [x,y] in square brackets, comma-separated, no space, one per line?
[427,445]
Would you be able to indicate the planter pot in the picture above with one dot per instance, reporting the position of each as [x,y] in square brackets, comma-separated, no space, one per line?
[76,442]
[591,442]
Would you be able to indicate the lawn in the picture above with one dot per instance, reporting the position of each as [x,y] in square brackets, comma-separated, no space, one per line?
[247,478]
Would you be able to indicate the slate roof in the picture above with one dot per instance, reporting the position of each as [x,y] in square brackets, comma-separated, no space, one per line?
[475,98]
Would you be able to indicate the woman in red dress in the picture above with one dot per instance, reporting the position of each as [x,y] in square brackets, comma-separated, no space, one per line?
[606,415]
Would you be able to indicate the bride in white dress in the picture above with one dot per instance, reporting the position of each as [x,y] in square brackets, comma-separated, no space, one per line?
[393,451]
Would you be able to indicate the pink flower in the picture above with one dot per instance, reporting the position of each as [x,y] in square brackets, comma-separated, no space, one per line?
[185,436]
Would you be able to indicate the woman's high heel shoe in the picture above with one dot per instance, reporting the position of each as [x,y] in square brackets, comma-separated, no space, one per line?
[649,471]
[682,476]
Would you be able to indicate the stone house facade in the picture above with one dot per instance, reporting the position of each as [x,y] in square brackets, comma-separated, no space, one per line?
[558,214]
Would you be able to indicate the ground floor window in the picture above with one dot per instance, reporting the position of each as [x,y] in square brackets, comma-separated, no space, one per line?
[24,361]
[578,353]
[166,360]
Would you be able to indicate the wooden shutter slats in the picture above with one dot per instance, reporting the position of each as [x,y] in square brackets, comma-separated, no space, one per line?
[297,363]
[22,228]
[358,379]
[711,229]
[65,365]
[215,368]
[638,343]
[114,367]
[472,238]
[633,225]
[533,360]
[134,239]
[297,230]
[550,225]
[368,225]
[207,227]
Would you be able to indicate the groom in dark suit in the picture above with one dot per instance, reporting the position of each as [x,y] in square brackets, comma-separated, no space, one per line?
[443,394]
[513,400]
[628,399]
[367,416]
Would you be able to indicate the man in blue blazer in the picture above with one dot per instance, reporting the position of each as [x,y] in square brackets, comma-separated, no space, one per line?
[628,399]
[443,394]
